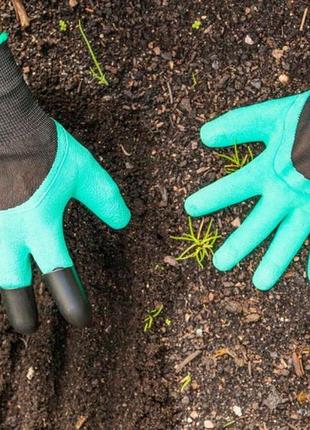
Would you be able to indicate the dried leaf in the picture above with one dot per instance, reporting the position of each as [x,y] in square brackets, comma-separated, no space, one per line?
[80,422]
[21,13]
[226,351]
[170,260]
[303,397]
[252,318]
[297,363]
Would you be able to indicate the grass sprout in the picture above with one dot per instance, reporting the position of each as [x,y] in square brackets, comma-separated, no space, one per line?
[200,244]
[185,382]
[96,71]
[194,80]
[236,160]
[149,319]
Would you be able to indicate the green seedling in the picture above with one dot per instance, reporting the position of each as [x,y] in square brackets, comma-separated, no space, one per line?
[196,24]
[96,71]
[201,244]
[63,25]
[236,161]
[149,319]
[168,322]
[194,80]
[185,382]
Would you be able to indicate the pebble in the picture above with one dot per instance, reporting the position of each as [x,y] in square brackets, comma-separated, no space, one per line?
[194,415]
[256,84]
[248,40]
[185,400]
[199,332]
[208,424]
[283,79]
[30,373]
[237,411]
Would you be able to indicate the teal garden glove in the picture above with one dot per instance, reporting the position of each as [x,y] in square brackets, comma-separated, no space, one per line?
[280,175]
[42,167]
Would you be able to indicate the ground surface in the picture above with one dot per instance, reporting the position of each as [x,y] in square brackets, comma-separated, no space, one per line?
[114,376]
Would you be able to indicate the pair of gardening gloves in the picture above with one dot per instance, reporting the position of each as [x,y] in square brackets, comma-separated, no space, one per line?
[42,167]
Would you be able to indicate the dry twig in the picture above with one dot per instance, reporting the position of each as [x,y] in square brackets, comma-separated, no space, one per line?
[188,359]
[21,13]
[303,20]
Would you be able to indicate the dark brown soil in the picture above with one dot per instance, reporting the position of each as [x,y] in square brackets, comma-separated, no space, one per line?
[113,375]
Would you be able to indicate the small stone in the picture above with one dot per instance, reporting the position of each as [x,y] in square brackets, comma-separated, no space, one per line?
[199,332]
[236,222]
[256,84]
[157,50]
[277,53]
[215,65]
[30,373]
[194,415]
[208,424]
[283,79]
[185,400]
[237,411]
[248,40]
[273,399]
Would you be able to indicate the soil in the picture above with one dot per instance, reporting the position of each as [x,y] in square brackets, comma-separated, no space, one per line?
[165,80]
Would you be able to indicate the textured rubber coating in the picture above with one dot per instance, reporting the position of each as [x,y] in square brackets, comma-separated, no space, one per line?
[69,295]
[21,309]
[284,205]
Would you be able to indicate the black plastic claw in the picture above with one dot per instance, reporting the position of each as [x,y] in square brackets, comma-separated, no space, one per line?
[69,295]
[21,309]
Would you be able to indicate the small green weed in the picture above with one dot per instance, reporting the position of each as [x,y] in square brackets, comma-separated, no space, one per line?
[236,161]
[96,71]
[63,25]
[149,319]
[194,80]
[168,322]
[185,382]
[201,244]
[196,24]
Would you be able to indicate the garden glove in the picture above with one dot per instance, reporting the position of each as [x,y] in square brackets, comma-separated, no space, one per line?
[280,175]
[42,167]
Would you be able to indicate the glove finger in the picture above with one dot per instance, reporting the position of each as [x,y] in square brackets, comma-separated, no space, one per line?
[17,295]
[21,309]
[227,191]
[258,225]
[50,252]
[246,124]
[288,239]
[70,296]
[97,190]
